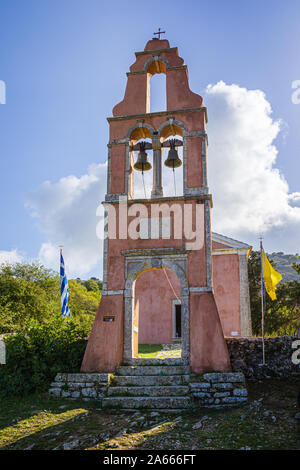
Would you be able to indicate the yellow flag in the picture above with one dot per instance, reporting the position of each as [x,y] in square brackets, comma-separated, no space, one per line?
[271,277]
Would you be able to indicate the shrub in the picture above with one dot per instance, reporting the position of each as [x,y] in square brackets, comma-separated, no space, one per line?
[37,353]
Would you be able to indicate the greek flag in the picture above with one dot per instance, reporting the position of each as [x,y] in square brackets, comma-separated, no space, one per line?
[64,289]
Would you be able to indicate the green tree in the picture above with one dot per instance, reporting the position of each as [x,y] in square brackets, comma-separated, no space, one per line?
[282,315]
[32,292]
[83,303]
[27,291]
[92,284]
[296,268]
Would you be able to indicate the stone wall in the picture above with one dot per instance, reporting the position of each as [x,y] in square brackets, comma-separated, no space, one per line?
[218,390]
[80,386]
[246,357]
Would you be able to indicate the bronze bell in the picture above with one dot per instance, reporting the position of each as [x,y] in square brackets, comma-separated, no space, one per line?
[142,163]
[173,161]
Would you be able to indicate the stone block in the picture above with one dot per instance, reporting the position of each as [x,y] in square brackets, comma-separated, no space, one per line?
[55,391]
[221,394]
[200,385]
[76,385]
[89,392]
[153,403]
[61,378]
[206,401]
[234,400]
[240,392]
[82,377]
[223,386]
[152,370]
[201,395]
[224,377]
[57,384]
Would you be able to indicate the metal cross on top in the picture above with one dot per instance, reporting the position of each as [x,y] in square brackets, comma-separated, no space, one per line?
[159,32]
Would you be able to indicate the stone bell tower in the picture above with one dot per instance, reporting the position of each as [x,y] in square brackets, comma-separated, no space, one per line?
[187,250]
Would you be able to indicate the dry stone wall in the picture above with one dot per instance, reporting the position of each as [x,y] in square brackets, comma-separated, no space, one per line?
[80,386]
[218,390]
[246,357]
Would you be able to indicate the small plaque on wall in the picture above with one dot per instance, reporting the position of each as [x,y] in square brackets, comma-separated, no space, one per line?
[109,318]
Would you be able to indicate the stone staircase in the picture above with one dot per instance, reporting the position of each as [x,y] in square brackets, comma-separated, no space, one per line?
[149,384]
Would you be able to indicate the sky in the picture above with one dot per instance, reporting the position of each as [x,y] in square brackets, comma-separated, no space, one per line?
[64,65]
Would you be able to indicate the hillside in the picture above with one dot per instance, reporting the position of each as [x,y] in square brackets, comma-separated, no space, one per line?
[283,264]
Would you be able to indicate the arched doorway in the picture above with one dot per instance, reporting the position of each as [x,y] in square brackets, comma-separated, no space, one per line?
[138,263]
[157,314]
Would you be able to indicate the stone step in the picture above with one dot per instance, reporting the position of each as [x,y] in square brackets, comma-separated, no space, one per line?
[149,380]
[149,403]
[154,362]
[156,391]
[152,370]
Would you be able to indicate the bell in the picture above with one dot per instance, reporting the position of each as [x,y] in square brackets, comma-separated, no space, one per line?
[173,161]
[142,163]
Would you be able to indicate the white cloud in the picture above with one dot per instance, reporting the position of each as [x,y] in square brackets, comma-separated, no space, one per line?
[294,199]
[251,197]
[67,215]
[10,257]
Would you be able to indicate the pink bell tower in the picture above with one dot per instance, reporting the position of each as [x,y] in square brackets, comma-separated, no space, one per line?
[187,250]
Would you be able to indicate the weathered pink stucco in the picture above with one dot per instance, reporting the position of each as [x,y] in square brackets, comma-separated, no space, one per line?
[156,306]
[155,298]
[207,351]
[116,261]
[105,346]
[151,294]
[226,284]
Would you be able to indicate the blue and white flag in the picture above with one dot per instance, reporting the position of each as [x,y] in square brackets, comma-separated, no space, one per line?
[64,289]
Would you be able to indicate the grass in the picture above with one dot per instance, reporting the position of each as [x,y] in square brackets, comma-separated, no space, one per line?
[149,350]
[266,422]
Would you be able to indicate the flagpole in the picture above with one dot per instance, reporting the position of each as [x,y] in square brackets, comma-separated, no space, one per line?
[60,251]
[262,302]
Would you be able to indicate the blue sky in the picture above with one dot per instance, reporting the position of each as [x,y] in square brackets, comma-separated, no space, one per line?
[65,62]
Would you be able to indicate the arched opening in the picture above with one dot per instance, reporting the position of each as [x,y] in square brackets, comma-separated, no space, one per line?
[142,181]
[157,84]
[158,93]
[157,317]
[172,180]
[140,184]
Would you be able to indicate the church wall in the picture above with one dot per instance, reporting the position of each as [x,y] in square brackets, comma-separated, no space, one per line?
[219,246]
[226,284]
[155,306]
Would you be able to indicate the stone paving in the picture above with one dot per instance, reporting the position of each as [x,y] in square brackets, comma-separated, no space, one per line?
[169,351]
